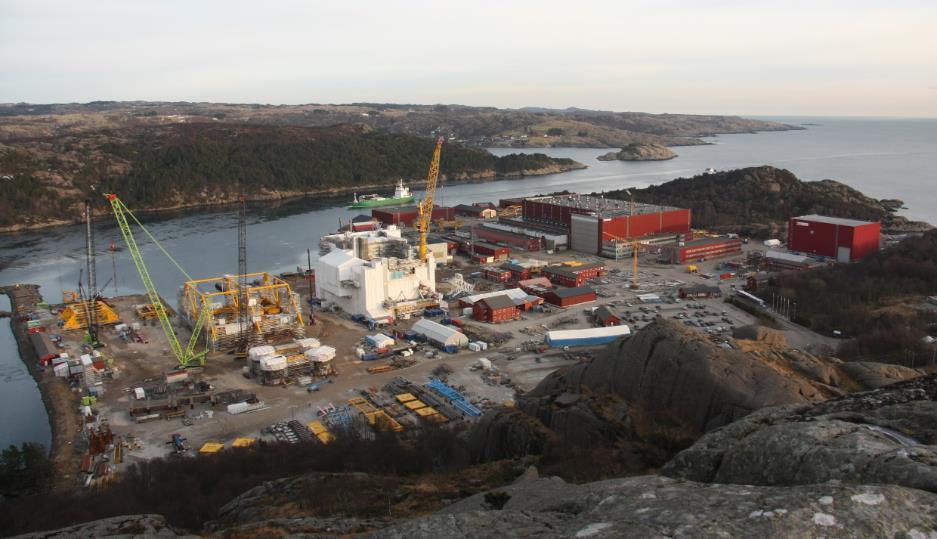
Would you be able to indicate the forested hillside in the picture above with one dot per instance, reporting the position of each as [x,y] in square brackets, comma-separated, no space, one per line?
[758,201]
[877,303]
[192,164]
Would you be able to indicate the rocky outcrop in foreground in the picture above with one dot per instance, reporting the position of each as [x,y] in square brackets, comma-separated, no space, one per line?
[640,152]
[668,385]
[882,436]
[653,506]
[123,527]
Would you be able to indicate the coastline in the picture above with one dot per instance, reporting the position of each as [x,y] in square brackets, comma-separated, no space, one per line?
[283,196]
[63,418]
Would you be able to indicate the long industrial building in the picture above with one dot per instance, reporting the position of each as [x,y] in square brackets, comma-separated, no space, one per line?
[593,221]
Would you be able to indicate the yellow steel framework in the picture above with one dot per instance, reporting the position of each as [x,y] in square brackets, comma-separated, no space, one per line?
[75,314]
[271,296]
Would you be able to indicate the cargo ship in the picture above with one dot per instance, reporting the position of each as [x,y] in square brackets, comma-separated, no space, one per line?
[401,196]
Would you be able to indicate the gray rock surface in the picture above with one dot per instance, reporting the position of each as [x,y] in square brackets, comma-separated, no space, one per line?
[122,527]
[640,152]
[886,435]
[654,506]
[675,370]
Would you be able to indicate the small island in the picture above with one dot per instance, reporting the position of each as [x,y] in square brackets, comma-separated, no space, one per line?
[640,152]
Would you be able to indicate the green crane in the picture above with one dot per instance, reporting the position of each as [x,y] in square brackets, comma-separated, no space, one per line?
[185,356]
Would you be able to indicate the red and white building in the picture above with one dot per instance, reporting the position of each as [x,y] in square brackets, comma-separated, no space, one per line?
[833,237]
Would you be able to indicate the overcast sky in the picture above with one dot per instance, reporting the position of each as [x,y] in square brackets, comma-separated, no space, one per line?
[749,57]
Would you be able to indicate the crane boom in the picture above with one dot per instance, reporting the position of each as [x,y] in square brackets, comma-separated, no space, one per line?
[426,205]
[186,356]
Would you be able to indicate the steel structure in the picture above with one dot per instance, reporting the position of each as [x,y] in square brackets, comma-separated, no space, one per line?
[426,205]
[243,313]
[91,312]
[185,356]
[272,308]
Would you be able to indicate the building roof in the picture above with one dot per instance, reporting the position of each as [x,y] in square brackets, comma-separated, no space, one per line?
[701,289]
[491,245]
[513,293]
[787,257]
[42,344]
[603,313]
[513,267]
[565,272]
[536,281]
[707,241]
[437,332]
[833,220]
[601,206]
[572,292]
[501,301]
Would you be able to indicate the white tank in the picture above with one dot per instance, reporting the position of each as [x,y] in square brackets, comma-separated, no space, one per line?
[272,363]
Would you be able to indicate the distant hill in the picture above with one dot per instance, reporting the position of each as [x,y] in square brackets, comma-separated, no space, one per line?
[473,126]
[192,164]
[758,201]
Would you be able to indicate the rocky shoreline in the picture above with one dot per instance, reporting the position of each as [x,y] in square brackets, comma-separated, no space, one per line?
[62,416]
[283,196]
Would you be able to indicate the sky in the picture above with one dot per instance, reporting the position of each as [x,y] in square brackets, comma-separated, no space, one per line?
[821,57]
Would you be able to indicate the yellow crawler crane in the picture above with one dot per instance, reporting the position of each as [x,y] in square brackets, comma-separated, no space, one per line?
[426,205]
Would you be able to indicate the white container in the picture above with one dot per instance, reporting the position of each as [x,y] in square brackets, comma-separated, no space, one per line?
[86,360]
[483,344]
[308,343]
[473,346]
[258,352]
[139,393]
[61,370]
[272,363]
[135,326]
[321,354]
[120,328]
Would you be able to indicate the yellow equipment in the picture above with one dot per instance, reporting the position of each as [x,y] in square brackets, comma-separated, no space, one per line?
[243,442]
[692,269]
[426,205]
[75,315]
[210,448]
[272,307]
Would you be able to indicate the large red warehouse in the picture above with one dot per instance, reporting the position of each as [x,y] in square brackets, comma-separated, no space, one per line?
[407,215]
[592,221]
[566,297]
[835,237]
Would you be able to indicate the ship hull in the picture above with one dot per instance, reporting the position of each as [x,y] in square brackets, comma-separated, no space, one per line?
[384,202]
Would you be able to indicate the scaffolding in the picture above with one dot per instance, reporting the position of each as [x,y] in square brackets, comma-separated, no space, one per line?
[273,309]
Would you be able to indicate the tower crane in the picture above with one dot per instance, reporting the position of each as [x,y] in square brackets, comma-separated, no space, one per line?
[185,356]
[635,246]
[426,205]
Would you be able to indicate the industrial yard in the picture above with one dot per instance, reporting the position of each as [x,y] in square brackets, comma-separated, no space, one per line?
[410,318]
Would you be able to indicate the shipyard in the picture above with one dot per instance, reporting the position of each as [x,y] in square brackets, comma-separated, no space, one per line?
[407,318]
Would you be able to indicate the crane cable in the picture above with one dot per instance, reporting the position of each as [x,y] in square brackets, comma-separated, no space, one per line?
[155,241]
